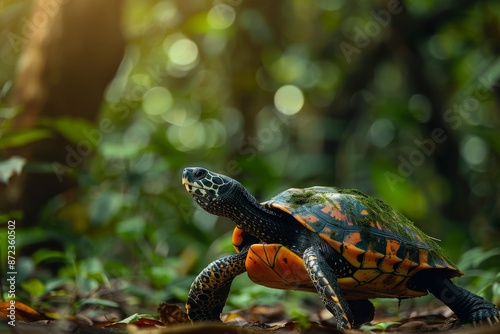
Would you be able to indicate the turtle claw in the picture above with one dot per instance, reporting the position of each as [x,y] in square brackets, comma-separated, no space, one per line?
[486,322]
[488,318]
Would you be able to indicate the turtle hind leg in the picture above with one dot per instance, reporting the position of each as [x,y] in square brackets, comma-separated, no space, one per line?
[209,291]
[469,307]
[325,282]
[362,310]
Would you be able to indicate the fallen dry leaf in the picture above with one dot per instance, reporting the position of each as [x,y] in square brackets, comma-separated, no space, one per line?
[146,322]
[18,311]
[171,314]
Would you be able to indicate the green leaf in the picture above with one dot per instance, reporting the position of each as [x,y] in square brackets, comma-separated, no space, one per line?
[135,317]
[131,228]
[301,317]
[119,150]
[86,284]
[76,130]
[381,326]
[161,276]
[91,265]
[44,254]
[475,256]
[21,138]
[6,216]
[9,112]
[98,301]
[105,206]
[34,287]
[56,283]
[13,165]
[496,289]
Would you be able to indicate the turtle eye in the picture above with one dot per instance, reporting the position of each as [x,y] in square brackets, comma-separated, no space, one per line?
[200,173]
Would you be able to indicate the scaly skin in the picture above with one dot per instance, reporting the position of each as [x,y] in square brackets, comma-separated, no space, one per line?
[469,307]
[209,291]
[325,282]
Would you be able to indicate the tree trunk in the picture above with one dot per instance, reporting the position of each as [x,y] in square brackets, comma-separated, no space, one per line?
[72,51]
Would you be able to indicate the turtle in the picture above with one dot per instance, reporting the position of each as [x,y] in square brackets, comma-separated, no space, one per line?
[342,244]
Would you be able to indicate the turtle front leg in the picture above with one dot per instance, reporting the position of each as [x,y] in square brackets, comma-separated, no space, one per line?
[469,307]
[326,284]
[209,291]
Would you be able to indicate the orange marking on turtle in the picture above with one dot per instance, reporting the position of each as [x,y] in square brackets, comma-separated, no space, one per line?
[406,265]
[370,259]
[366,275]
[334,243]
[310,218]
[419,238]
[347,283]
[237,238]
[352,238]
[392,247]
[303,222]
[275,266]
[327,209]
[336,213]
[278,206]
[351,253]
[423,258]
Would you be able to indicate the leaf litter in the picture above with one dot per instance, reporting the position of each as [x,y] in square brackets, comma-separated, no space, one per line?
[172,318]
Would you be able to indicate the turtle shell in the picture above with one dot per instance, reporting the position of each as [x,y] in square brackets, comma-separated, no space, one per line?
[382,250]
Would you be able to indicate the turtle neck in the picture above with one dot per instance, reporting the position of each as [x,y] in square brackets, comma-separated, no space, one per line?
[267,225]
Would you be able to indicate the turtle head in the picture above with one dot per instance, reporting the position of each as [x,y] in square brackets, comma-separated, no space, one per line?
[212,191]
[222,196]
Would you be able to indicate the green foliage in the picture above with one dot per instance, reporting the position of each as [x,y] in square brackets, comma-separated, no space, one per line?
[482,271]
[34,287]
[97,301]
[380,326]
[72,128]
[301,317]
[247,293]
[134,317]
[21,138]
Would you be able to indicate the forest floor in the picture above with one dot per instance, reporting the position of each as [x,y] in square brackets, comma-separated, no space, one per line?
[171,318]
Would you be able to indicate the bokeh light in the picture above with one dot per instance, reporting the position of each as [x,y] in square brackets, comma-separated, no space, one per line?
[474,151]
[221,16]
[186,138]
[381,132]
[289,99]
[183,53]
[182,113]
[157,101]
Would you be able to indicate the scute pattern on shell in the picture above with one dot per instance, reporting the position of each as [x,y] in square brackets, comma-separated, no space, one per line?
[385,247]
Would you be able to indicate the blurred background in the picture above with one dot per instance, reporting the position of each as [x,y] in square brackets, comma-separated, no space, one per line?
[103,103]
